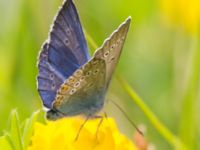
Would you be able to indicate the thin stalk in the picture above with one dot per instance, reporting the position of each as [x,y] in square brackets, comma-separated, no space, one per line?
[188,116]
[90,40]
[162,129]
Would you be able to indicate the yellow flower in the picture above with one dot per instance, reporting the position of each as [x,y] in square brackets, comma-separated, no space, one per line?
[60,135]
[185,13]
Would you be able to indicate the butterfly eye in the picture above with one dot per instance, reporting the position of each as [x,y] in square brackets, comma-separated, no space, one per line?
[77,84]
[72,91]
[106,53]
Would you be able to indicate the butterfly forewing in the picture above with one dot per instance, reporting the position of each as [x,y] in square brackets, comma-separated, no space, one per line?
[63,53]
[111,49]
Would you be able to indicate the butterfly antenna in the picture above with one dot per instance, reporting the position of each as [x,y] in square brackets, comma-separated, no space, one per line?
[127,117]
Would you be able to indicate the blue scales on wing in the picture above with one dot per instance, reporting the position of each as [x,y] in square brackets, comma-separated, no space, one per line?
[63,53]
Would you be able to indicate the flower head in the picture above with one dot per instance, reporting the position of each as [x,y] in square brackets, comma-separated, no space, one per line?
[185,13]
[60,135]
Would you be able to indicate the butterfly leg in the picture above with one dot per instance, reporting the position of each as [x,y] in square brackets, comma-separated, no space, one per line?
[105,114]
[81,127]
[99,124]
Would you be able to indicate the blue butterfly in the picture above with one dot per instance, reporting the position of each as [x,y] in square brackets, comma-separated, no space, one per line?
[70,82]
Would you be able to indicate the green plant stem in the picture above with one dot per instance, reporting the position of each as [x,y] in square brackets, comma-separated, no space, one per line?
[90,40]
[171,138]
[188,116]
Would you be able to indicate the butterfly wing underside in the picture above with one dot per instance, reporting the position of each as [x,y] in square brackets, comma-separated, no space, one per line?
[82,92]
[112,47]
[63,53]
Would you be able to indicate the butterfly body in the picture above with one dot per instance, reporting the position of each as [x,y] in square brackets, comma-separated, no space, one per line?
[87,105]
[70,82]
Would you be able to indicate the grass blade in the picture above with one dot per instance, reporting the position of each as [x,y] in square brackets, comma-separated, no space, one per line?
[15,134]
[4,144]
[164,131]
[28,129]
[188,124]
[90,40]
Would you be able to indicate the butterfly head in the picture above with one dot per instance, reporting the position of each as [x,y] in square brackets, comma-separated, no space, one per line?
[53,115]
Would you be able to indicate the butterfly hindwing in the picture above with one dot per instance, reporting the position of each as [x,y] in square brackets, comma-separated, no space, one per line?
[63,53]
[82,92]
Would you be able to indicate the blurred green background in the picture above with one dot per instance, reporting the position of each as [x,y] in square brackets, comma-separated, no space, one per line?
[160,59]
